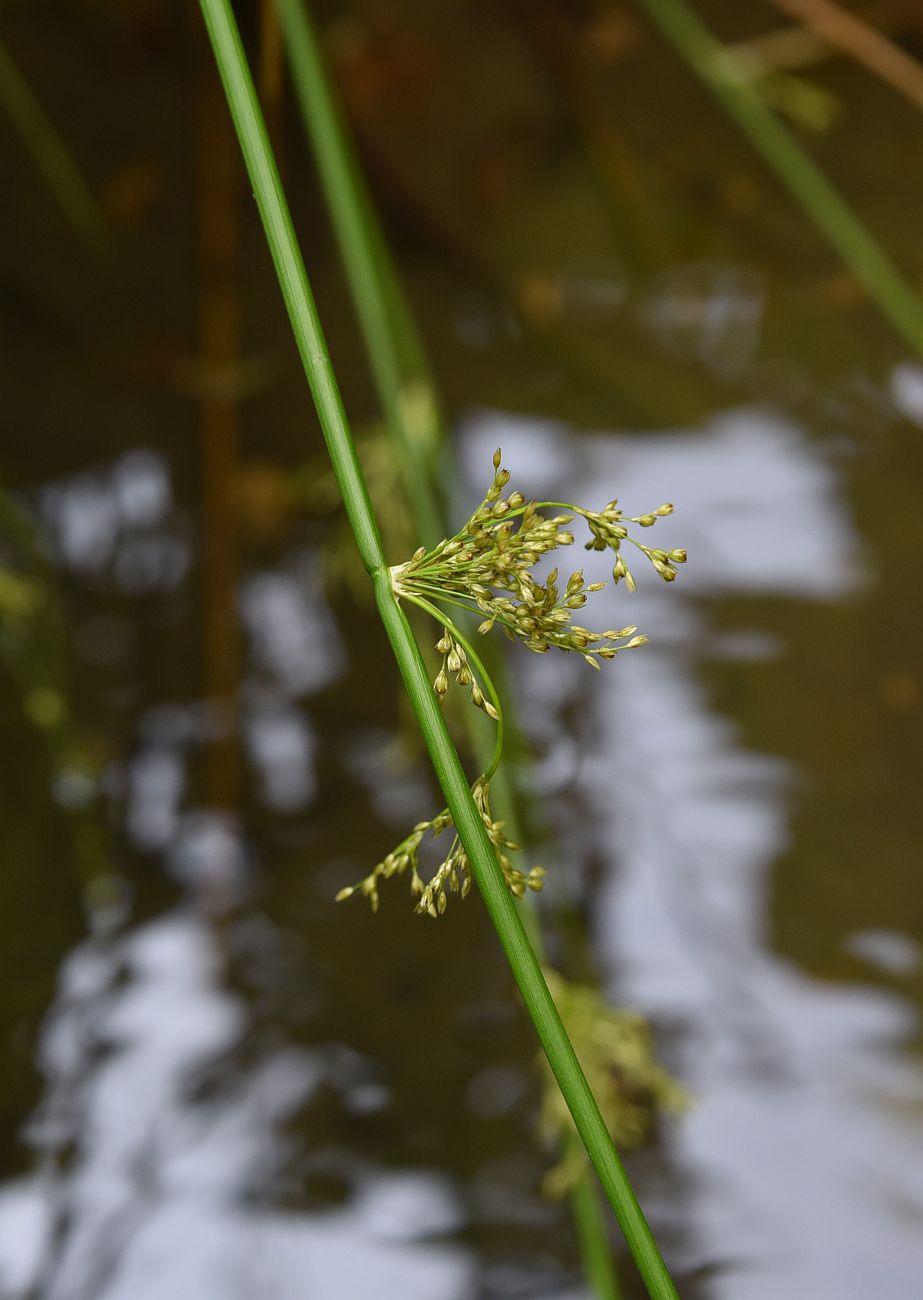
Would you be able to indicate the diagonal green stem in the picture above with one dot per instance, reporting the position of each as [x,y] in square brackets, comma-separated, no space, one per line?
[831,214]
[400,368]
[293,282]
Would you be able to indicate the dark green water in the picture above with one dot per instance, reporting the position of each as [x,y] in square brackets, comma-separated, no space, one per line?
[215,1081]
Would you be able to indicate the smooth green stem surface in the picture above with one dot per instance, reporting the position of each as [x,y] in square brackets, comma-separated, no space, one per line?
[831,214]
[586,1209]
[286,255]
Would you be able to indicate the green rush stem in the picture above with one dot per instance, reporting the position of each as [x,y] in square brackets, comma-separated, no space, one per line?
[831,214]
[475,658]
[312,348]
[396,356]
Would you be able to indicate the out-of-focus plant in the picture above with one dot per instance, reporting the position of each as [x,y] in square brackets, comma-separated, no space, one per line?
[720,71]
[53,158]
[617,1052]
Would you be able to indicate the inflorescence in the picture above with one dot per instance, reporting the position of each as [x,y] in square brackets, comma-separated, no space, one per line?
[487,568]
[453,873]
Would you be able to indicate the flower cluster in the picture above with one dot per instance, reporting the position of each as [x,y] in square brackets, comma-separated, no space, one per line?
[453,874]
[455,664]
[487,568]
[609,531]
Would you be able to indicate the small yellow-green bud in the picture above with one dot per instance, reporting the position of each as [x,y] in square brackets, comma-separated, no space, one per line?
[678,556]
[665,509]
[498,456]
[441,684]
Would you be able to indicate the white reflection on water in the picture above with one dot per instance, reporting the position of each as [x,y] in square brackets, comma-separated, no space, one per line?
[161,1200]
[804,1149]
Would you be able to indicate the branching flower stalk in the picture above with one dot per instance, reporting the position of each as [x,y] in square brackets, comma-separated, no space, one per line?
[315,357]
[487,568]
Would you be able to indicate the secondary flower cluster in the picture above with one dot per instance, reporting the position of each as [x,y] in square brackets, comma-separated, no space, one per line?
[453,874]
[616,1051]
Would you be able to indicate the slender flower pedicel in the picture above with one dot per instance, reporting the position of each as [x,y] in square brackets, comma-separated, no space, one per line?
[487,569]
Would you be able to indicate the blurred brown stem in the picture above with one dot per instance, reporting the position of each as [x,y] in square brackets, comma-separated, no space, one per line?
[856,37]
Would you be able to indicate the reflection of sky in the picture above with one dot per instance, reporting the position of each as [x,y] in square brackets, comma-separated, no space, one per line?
[142,1191]
[804,1148]
[162,1199]
[801,1153]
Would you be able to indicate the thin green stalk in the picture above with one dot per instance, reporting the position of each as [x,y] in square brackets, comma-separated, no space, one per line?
[51,154]
[400,368]
[866,259]
[594,1244]
[293,282]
